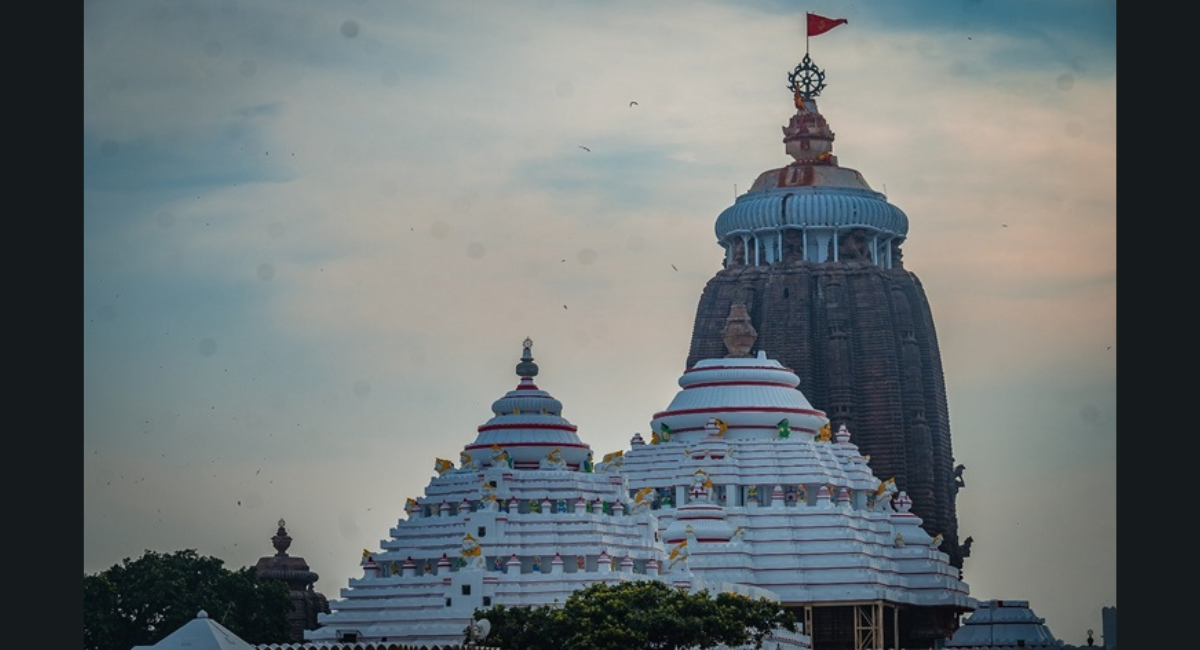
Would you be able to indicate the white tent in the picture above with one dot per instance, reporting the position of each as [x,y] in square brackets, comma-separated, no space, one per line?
[200,633]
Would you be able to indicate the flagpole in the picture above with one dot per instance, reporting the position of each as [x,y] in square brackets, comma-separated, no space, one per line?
[806,36]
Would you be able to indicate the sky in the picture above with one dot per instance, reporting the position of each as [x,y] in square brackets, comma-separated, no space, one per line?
[316,233]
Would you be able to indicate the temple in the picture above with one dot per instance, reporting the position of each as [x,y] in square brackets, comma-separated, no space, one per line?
[740,486]
[814,255]
[806,457]
[307,602]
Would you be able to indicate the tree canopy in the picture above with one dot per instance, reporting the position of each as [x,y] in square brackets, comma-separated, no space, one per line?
[637,614]
[138,602]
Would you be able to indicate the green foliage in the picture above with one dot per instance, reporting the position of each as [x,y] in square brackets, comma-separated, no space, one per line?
[750,620]
[138,602]
[527,628]
[637,614]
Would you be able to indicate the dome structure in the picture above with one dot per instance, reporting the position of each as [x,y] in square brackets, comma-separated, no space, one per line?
[766,493]
[700,519]
[527,425]
[802,210]
[701,522]
[1003,624]
[750,397]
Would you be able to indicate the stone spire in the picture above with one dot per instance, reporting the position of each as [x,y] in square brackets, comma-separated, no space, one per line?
[814,253]
[295,573]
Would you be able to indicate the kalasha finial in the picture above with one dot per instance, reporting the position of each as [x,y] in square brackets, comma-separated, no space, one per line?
[527,368]
[807,137]
[281,540]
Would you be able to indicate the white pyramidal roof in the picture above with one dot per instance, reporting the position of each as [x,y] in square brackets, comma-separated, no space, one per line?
[753,495]
[528,424]
[200,633]
[805,516]
[1003,624]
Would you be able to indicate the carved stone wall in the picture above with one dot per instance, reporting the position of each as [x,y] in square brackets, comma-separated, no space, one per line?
[862,340]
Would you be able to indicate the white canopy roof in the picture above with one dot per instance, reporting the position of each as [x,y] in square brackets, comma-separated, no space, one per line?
[200,633]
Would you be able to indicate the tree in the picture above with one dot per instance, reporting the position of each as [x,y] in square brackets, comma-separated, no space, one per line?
[637,614]
[527,628]
[138,602]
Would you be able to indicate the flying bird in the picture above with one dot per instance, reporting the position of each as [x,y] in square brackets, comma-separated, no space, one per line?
[673,266]
[584,148]
[633,103]
[564,306]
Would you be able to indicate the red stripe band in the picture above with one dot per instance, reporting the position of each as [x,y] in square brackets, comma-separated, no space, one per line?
[748,409]
[551,427]
[709,384]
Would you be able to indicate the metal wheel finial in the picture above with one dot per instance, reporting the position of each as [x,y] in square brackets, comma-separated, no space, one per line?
[806,80]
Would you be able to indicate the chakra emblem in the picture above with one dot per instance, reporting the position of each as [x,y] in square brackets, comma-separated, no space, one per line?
[806,80]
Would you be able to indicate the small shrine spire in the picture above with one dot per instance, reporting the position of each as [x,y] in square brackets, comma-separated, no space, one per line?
[527,368]
[739,334]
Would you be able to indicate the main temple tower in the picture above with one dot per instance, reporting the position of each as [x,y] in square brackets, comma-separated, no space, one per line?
[814,254]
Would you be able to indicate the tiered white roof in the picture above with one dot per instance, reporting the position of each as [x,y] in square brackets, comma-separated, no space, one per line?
[1002,624]
[812,523]
[752,395]
[741,488]
[528,424]
[522,520]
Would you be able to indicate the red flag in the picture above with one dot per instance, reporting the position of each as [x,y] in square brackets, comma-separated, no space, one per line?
[820,24]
